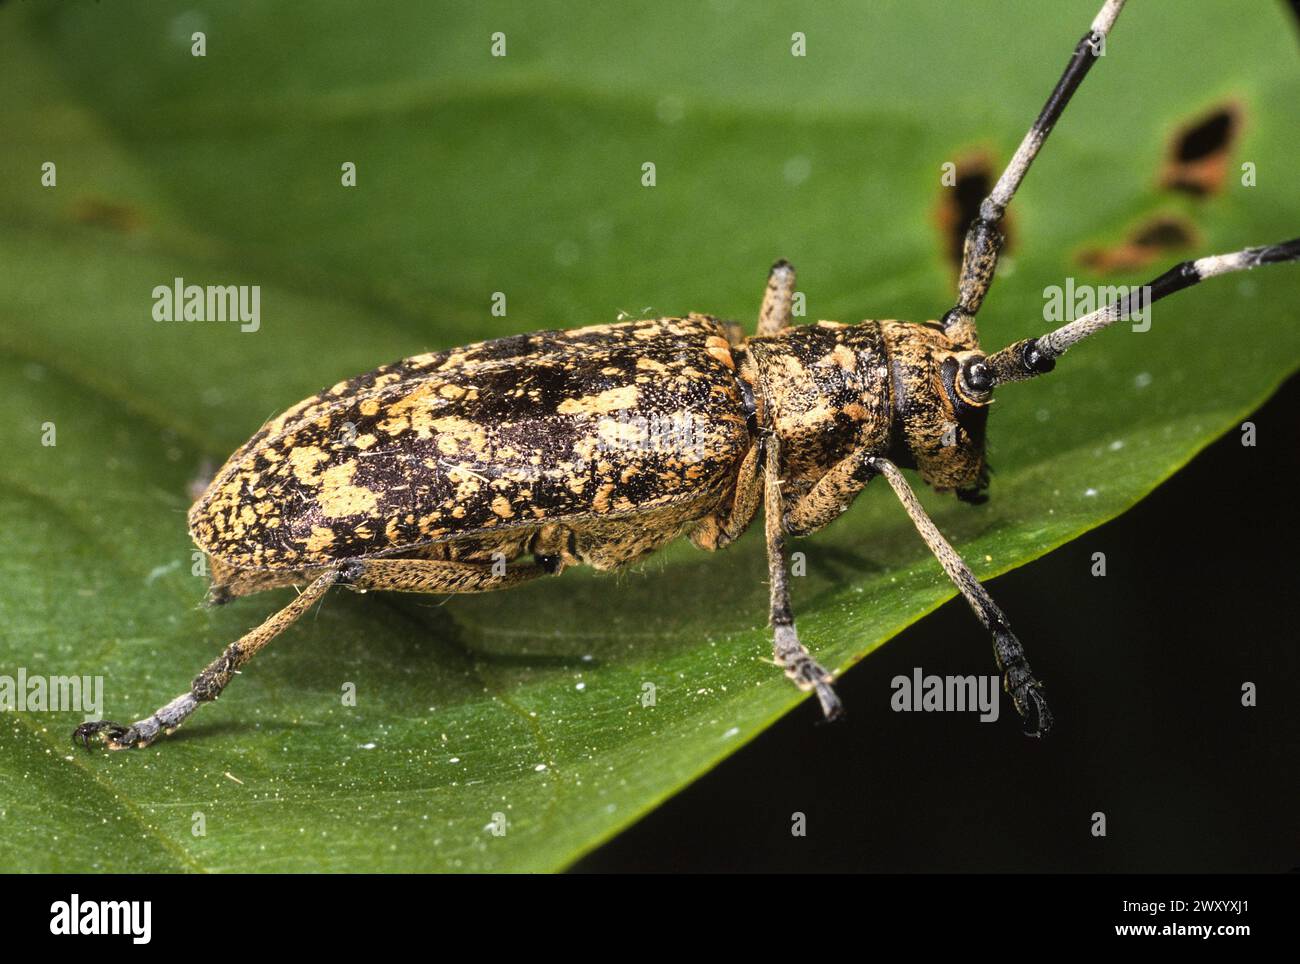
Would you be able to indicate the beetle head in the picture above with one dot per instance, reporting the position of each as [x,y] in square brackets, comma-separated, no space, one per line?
[941,393]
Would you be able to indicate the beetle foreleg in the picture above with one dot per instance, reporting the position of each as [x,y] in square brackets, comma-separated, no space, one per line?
[790,654]
[827,500]
[1017,678]
[778,300]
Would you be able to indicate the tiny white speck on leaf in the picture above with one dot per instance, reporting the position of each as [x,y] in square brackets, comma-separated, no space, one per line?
[670,110]
[797,170]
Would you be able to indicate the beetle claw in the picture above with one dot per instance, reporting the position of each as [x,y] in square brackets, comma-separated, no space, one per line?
[1027,697]
[1034,714]
[115,736]
[217,596]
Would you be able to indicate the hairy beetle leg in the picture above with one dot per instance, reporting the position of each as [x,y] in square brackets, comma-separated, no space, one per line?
[777,312]
[829,498]
[804,671]
[790,654]
[398,575]
[1018,679]
[207,686]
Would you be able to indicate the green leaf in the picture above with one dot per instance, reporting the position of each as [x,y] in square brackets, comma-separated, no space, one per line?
[522,175]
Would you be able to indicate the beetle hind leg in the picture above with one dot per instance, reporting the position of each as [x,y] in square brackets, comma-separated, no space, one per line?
[397,575]
[436,576]
[207,686]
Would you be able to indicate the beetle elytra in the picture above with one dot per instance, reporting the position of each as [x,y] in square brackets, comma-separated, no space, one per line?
[482,467]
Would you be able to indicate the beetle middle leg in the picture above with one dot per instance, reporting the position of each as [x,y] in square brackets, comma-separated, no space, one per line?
[777,312]
[398,575]
[1018,679]
[790,654]
[722,528]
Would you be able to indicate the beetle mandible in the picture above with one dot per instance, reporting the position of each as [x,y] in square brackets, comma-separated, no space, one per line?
[482,467]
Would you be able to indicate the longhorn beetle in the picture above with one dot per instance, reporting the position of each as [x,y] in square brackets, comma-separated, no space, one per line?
[538,451]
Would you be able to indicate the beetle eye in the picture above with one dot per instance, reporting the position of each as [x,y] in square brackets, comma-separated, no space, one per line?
[975,381]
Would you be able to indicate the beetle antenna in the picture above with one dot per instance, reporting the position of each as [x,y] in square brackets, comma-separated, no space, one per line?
[1037,356]
[984,237]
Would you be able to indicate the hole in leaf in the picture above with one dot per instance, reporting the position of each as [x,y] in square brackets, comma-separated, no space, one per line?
[1198,154]
[974,177]
[1149,241]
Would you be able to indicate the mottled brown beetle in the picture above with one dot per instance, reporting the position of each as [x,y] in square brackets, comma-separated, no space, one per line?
[541,451]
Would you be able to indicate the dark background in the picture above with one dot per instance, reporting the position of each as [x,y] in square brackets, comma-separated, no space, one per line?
[1143,670]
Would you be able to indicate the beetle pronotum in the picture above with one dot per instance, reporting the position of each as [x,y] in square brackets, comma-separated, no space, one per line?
[533,451]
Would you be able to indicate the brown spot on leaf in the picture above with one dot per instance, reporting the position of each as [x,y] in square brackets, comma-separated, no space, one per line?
[1148,241]
[1197,161]
[110,215]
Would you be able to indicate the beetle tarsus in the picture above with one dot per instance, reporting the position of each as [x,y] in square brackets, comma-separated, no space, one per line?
[832,708]
[808,674]
[805,672]
[1019,682]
